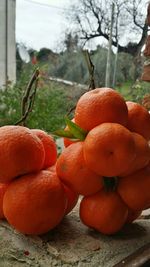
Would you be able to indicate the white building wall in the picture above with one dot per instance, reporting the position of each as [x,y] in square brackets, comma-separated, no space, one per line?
[2,43]
[7,42]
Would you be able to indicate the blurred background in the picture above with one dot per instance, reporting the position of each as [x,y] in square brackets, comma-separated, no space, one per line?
[52,35]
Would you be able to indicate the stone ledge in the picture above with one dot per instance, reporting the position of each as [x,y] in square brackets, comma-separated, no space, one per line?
[72,244]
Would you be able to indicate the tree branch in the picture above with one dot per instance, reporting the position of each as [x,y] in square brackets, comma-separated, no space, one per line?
[90,69]
[28,98]
[92,10]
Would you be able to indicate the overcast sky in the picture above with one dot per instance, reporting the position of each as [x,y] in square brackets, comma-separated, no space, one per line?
[41,23]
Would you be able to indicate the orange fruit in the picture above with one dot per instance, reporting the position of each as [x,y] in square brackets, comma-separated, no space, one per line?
[108,149]
[49,147]
[73,172]
[133,215]
[68,142]
[72,199]
[138,119]
[104,211]
[21,152]
[35,203]
[98,106]
[3,188]
[134,189]
[142,158]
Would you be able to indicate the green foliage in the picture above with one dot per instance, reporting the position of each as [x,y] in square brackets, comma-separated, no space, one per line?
[71,42]
[138,90]
[10,100]
[44,54]
[50,107]
[99,58]
[52,102]
[124,68]
[71,65]
[134,91]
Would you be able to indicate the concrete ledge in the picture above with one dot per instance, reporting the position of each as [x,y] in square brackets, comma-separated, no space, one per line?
[72,244]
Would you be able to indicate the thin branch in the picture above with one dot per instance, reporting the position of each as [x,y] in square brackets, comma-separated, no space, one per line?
[90,11]
[28,89]
[90,69]
[134,15]
[28,98]
[91,73]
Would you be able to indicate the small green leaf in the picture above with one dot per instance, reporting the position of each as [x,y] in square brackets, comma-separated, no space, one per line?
[76,131]
[63,133]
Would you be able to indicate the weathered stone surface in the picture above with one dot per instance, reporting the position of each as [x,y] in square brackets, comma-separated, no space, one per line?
[72,244]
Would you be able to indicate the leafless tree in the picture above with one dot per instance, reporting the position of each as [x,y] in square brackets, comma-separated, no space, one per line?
[92,18]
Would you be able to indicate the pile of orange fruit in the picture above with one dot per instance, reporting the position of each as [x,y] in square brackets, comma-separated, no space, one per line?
[106,161]
[109,164]
[32,198]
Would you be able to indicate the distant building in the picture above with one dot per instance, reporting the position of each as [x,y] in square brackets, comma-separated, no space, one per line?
[7,42]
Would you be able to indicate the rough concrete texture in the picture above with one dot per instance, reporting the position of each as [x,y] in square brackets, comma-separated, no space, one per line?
[72,244]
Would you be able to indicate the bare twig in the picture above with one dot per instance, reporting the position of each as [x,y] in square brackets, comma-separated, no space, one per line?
[90,69]
[28,98]
[91,74]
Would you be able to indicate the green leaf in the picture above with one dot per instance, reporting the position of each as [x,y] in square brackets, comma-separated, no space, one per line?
[76,131]
[63,133]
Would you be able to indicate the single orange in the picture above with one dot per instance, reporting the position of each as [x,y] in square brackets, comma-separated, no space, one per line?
[72,199]
[133,215]
[98,106]
[35,203]
[104,211]
[108,149]
[68,142]
[134,189]
[3,188]
[138,119]
[49,147]
[74,173]
[21,152]
[142,150]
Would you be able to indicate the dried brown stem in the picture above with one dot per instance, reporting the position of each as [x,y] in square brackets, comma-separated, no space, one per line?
[90,69]
[91,74]
[28,98]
